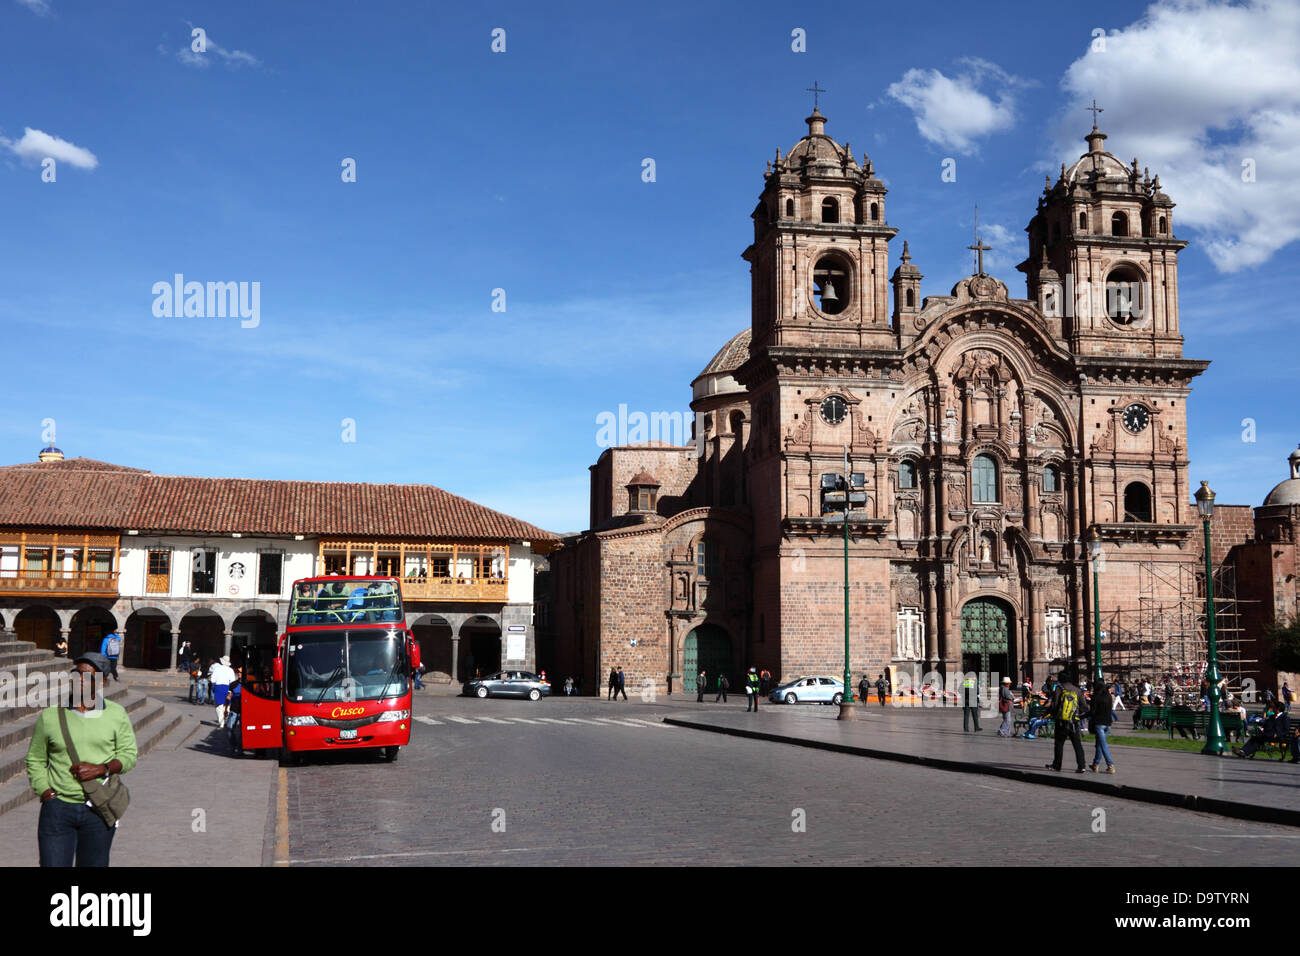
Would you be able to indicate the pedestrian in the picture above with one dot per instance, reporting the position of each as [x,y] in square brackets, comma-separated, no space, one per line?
[198,686]
[415,673]
[765,681]
[111,648]
[621,687]
[1287,696]
[700,683]
[864,688]
[1005,700]
[613,683]
[970,703]
[723,686]
[568,687]
[69,750]
[1067,709]
[1101,714]
[221,676]
[183,657]
[203,683]
[1117,697]
[880,689]
[751,691]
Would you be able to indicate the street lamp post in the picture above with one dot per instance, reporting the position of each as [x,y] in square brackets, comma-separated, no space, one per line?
[847,702]
[1096,612]
[1215,744]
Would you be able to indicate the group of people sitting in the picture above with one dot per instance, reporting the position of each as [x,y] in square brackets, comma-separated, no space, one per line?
[1275,727]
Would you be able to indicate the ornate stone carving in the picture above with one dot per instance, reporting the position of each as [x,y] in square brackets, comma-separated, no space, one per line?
[957,492]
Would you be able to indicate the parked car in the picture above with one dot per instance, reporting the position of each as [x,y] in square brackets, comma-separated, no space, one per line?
[809,690]
[509,684]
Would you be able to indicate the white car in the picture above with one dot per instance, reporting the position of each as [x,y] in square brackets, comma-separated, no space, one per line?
[809,690]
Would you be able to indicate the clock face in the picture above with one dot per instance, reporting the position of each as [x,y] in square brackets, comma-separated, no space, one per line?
[1136,418]
[834,409]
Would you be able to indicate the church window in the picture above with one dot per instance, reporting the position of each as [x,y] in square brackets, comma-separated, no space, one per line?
[830,210]
[911,298]
[1083,222]
[1051,478]
[1162,225]
[1137,502]
[789,207]
[984,479]
[875,212]
[1119,224]
[1125,302]
[910,634]
[906,474]
[706,559]
[831,282]
[1057,622]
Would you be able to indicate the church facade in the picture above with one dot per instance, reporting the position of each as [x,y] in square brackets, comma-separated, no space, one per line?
[980,444]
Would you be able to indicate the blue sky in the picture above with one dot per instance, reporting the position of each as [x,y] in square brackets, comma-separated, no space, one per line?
[522,170]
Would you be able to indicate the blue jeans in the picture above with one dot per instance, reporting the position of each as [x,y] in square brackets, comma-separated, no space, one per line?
[1102,750]
[68,830]
[203,690]
[1035,724]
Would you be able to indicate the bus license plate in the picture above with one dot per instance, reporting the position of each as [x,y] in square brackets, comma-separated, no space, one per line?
[347,734]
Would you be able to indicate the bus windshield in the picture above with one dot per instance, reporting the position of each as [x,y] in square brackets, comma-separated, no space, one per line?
[328,666]
[344,602]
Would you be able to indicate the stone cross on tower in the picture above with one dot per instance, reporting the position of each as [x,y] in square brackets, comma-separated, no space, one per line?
[979,248]
[815,91]
[1094,109]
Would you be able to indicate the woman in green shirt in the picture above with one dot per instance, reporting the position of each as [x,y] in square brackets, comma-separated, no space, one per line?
[105,743]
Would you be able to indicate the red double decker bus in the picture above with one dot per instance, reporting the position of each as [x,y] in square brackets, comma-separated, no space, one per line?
[339,676]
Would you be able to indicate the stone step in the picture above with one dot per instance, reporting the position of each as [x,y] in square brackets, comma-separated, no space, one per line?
[9,660]
[10,715]
[14,753]
[9,647]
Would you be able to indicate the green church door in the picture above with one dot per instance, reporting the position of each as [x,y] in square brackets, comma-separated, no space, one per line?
[985,637]
[707,647]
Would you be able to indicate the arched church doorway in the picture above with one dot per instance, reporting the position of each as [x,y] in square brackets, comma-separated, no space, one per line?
[708,648]
[986,636]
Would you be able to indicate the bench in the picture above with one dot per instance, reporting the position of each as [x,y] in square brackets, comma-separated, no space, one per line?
[1273,748]
[1150,716]
[1198,722]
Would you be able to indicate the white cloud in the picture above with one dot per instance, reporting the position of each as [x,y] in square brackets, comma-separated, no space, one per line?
[1194,89]
[954,112]
[233,59]
[37,145]
[39,7]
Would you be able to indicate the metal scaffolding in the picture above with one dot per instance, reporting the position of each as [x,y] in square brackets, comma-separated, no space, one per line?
[1163,639]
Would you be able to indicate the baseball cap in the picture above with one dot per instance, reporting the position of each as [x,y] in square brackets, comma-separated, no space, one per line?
[94,659]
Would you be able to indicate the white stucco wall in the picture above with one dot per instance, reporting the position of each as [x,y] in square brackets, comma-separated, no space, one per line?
[299,562]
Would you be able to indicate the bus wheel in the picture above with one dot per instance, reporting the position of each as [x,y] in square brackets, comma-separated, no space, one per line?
[390,753]
[289,758]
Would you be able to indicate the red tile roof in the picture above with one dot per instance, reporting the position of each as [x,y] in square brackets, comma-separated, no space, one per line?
[99,495]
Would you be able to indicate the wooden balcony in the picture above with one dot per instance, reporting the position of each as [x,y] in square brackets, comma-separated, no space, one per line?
[455,589]
[97,583]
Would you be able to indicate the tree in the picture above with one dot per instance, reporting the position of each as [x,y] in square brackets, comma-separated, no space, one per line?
[1285,638]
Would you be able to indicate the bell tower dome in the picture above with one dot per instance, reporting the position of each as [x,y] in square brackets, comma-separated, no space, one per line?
[1105,230]
[820,256]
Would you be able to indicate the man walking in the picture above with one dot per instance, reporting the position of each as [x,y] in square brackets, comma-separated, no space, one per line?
[723,686]
[1288,695]
[880,689]
[111,647]
[621,687]
[1067,709]
[864,688]
[751,691]
[970,703]
[613,683]
[700,681]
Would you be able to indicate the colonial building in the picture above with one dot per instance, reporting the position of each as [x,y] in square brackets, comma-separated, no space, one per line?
[87,547]
[980,441]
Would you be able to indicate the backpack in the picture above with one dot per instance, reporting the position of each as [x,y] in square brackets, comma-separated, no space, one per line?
[114,646]
[1068,708]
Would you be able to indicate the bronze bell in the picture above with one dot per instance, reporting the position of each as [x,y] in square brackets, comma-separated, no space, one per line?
[828,292]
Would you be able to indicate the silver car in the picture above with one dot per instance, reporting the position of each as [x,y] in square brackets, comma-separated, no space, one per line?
[809,690]
[509,684]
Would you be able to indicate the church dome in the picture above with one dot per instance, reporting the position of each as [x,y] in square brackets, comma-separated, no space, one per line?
[1287,492]
[821,152]
[718,377]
